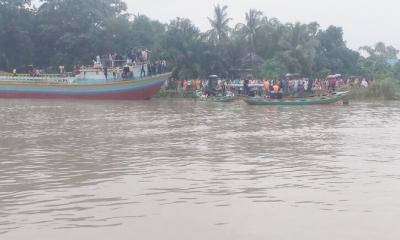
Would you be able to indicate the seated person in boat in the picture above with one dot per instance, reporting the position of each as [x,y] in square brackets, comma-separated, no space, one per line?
[266,87]
[276,94]
[126,73]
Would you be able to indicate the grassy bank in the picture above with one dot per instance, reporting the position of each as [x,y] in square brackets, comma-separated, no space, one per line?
[388,89]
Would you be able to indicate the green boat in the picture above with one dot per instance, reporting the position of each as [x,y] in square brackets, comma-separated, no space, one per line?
[297,101]
[218,99]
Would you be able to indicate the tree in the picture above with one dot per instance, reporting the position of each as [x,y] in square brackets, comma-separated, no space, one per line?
[381,50]
[396,71]
[267,37]
[15,3]
[273,69]
[332,54]
[73,31]
[220,24]
[146,32]
[249,31]
[16,44]
[70,32]
[297,47]
[184,43]
[253,24]
[376,64]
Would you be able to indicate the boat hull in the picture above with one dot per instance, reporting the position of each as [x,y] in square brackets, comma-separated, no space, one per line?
[297,102]
[121,90]
[219,99]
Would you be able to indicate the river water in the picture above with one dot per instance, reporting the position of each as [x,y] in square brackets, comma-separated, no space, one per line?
[187,170]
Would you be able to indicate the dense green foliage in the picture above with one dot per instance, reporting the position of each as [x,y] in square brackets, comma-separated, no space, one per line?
[70,32]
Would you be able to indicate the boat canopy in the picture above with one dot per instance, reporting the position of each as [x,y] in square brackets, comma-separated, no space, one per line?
[292,75]
[334,76]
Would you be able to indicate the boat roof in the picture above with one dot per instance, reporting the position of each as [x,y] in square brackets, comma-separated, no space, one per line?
[334,76]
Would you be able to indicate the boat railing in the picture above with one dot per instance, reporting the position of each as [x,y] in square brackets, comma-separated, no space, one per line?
[36,77]
[62,78]
[242,85]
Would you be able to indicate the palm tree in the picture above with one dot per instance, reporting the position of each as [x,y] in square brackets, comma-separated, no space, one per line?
[220,24]
[298,47]
[254,22]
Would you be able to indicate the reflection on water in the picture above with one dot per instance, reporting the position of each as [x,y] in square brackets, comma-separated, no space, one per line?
[196,170]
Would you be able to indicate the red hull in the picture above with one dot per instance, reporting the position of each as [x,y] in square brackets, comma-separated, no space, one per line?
[142,94]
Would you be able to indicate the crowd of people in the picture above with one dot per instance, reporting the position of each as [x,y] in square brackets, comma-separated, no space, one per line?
[297,87]
[123,67]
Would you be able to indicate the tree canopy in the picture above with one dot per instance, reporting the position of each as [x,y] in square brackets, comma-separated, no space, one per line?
[72,32]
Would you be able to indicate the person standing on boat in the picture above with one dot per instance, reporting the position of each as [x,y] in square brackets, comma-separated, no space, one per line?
[14,72]
[306,85]
[105,70]
[119,77]
[145,55]
[223,87]
[246,87]
[153,68]
[332,83]
[285,84]
[163,65]
[266,87]
[276,88]
[364,83]
[98,61]
[149,68]
[142,71]
[114,74]
[111,60]
[296,86]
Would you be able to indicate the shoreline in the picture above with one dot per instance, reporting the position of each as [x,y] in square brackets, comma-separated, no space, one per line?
[358,95]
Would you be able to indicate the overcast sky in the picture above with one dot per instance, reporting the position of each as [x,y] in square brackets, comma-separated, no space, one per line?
[364,22]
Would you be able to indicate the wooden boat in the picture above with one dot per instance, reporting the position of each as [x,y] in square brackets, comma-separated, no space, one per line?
[297,101]
[88,84]
[218,99]
[223,99]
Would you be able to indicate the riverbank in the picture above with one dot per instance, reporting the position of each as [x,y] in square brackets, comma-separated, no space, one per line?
[387,89]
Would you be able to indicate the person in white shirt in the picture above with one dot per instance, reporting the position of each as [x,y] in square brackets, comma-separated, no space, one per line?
[364,83]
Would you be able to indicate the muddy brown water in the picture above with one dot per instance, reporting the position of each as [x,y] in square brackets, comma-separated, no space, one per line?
[181,169]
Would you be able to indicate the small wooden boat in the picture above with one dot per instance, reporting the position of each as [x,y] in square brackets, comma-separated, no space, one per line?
[218,99]
[199,94]
[297,101]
